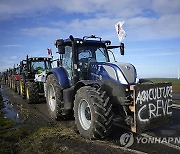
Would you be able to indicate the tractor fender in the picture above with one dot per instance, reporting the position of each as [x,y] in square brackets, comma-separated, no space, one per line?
[17,77]
[69,93]
[117,92]
[61,75]
[87,83]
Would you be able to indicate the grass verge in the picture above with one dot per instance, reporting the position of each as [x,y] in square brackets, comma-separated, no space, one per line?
[175,83]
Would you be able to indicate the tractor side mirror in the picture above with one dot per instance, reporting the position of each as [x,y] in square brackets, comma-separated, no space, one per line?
[61,49]
[122,48]
[59,44]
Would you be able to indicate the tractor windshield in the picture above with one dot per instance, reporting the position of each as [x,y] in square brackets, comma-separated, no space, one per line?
[17,70]
[93,53]
[88,54]
[41,65]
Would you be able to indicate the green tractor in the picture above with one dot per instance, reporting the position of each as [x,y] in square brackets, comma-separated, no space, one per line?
[32,78]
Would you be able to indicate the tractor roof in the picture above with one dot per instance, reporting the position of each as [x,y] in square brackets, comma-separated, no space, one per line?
[39,59]
[86,40]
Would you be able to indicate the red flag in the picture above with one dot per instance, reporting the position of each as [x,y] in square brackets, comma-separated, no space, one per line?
[49,51]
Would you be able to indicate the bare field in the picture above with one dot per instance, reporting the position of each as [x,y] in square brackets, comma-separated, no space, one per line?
[175,83]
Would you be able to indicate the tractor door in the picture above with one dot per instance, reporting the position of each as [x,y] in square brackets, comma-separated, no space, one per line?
[84,56]
[67,62]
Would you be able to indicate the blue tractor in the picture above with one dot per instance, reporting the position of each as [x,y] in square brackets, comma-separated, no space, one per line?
[97,91]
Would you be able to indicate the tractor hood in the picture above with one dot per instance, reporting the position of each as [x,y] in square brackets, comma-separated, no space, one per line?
[123,73]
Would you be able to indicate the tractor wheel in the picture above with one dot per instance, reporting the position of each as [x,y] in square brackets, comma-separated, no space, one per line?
[32,92]
[18,88]
[93,113]
[22,89]
[15,85]
[53,97]
[12,83]
[9,83]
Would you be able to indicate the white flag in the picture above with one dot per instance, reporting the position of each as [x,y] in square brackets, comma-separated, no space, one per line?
[40,77]
[120,31]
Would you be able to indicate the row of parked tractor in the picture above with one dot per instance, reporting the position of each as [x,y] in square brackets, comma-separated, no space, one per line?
[93,88]
[28,77]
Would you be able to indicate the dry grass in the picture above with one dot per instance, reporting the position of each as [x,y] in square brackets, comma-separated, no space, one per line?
[176,89]
[175,83]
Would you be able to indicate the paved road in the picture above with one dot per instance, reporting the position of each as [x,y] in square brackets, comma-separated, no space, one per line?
[176,96]
[169,130]
[36,116]
[176,99]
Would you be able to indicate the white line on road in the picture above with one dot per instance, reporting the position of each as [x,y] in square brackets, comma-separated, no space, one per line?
[119,147]
[176,106]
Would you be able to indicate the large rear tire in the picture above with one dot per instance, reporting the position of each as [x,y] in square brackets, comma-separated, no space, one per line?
[15,85]
[12,83]
[32,92]
[9,82]
[93,113]
[22,89]
[53,97]
[18,88]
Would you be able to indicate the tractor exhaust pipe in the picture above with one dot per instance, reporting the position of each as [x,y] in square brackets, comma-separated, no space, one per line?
[71,38]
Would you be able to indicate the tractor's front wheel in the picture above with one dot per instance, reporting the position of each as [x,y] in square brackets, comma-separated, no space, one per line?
[53,96]
[32,92]
[93,113]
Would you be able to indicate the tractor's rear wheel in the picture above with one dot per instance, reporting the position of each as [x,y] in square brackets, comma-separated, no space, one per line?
[9,82]
[12,83]
[53,97]
[93,113]
[15,85]
[32,92]
[22,89]
[18,88]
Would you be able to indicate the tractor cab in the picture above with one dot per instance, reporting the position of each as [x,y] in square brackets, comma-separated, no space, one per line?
[77,55]
[37,65]
[33,74]
[16,70]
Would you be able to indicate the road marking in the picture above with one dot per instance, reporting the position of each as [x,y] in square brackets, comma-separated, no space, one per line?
[149,136]
[168,144]
[119,147]
[176,106]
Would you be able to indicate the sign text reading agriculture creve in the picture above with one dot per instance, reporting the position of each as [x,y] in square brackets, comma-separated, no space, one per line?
[153,104]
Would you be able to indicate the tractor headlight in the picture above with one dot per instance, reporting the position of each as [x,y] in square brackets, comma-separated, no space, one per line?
[137,80]
[121,77]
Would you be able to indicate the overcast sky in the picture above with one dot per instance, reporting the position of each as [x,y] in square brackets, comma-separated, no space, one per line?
[152,43]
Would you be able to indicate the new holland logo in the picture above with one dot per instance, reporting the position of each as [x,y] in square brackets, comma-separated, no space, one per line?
[127,67]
